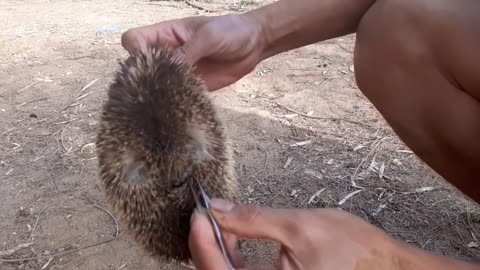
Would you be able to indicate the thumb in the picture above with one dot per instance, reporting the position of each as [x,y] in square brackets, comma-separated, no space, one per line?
[202,244]
[256,222]
[192,51]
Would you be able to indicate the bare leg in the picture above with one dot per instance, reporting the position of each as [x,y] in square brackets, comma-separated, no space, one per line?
[418,63]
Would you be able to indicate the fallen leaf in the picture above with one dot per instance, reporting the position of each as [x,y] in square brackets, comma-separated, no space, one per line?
[289,160]
[421,190]
[302,143]
[358,148]
[379,209]
[46,264]
[315,195]
[405,151]
[314,173]
[349,196]
[473,245]
[381,170]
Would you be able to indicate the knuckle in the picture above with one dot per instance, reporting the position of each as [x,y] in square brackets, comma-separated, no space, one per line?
[245,214]
[251,213]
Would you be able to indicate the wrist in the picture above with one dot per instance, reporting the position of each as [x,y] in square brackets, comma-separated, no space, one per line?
[274,30]
[406,257]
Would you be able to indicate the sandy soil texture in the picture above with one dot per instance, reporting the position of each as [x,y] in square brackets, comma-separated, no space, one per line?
[301,128]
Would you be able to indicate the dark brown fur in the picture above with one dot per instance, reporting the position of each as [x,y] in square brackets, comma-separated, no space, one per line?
[159,130]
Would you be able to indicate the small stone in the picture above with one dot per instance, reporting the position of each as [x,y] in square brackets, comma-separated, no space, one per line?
[397,162]
[88,150]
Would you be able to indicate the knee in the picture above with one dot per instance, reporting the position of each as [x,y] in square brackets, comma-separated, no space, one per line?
[395,34]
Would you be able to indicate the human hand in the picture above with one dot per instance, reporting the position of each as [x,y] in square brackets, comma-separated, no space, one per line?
[223,48]
[204,248]
[310,239]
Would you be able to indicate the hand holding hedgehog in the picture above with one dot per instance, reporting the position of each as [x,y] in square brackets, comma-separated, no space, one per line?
[219,59]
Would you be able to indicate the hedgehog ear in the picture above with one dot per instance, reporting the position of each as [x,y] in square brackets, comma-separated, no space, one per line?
[136,175]
[134,171]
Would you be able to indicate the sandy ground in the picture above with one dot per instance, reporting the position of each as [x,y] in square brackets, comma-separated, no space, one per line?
[302,131]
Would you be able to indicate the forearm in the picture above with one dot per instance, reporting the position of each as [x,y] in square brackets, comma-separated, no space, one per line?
[290,24]
[408,257]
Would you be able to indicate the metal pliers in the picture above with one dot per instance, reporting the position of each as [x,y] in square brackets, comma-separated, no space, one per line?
[203,204]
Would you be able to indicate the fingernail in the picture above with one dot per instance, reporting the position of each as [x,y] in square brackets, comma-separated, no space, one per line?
[221,206]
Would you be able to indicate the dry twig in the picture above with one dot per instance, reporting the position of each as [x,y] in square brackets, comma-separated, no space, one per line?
[58,253]
[80,95]
[264,165]
[323,118]
[198,7]
[9,252]
[354,176]
[124,265]
[36,222]
[62,140]
[106,211]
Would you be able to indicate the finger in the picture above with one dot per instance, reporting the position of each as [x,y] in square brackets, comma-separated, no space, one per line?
[203,246]
[287,259]
[133,41]
[252,221]
[233,248]
[258,267]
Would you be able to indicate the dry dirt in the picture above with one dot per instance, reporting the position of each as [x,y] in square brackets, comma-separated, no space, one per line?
[48,195]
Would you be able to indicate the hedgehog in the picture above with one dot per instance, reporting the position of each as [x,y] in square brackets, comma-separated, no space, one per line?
[159,131]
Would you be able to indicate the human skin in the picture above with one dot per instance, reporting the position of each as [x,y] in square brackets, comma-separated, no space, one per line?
[416,61]
[321,239]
